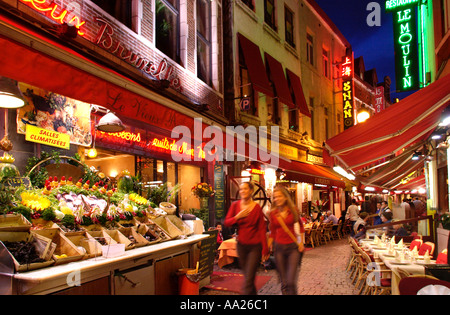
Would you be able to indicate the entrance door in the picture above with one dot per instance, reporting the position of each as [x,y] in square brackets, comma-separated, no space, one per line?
[259,195]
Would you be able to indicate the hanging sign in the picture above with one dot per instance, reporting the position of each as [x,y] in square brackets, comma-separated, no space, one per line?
[48,137]
[405,45]
[347,91]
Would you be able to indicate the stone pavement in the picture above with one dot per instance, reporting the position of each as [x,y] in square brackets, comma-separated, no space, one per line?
[322,272]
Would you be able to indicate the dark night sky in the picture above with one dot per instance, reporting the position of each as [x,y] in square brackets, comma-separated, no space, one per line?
[375,44]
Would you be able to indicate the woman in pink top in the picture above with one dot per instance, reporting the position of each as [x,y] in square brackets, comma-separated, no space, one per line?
[251,239]
[287,251]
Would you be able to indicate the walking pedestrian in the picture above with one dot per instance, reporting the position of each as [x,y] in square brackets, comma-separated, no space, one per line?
[287,247]
[251,235]
[352,215]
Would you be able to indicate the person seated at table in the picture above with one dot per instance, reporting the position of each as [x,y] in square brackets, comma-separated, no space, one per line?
[399,230]
[330,217]
[305,219]
[359,228]
[386,217]
[377,219]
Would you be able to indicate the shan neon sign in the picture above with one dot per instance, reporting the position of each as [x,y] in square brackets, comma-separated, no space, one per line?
[58,13]
[347,92]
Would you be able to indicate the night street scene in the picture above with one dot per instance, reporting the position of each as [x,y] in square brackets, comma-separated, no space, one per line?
[222,154]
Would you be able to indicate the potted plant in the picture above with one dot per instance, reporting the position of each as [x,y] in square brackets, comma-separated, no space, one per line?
[442,230]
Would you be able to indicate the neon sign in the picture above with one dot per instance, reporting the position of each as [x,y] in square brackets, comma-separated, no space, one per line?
[393,5]
[168,146]
[405,45]
[347,92]
[57,13]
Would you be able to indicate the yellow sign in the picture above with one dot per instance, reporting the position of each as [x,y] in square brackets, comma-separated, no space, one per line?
[48,137]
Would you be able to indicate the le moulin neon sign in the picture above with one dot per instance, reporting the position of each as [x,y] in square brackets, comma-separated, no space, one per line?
[347,91]
[58,13]
[165,145]
[405,43]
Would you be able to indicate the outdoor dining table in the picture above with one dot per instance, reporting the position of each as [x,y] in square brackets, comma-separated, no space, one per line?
[416,267]
[227,252]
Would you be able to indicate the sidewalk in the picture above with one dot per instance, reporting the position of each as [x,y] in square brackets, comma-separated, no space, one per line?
[322,273]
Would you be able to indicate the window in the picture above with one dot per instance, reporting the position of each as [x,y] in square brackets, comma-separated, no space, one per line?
[311,104]
[250,4]
[204,41]
[273,110]
[167,28]
[309,49]
[246,90]
[121,10]
[269,13]
[326,63]
[289,26]
[293,120]
[325,112]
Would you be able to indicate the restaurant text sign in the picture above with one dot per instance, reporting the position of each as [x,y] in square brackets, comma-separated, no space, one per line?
[347,92]
[48,137]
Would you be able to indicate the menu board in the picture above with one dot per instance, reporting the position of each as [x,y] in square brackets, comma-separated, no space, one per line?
[207,254]
[219,195]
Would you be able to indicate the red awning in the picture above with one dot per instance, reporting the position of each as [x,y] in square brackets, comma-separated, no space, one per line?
[278,78]
[255,65]
[402,124]
[415,183]
[310,173]
[297,89]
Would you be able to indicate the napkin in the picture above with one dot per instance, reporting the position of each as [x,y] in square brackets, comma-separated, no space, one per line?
[393,240]
[426,257]
[400,243]
[414,252]
[383,237]
[376,240]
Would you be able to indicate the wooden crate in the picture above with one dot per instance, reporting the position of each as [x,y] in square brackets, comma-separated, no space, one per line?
[131,232]
[120,238]
[63,246]
[85,240]
[102,237]
[43,245]
[144,230]
[14,223]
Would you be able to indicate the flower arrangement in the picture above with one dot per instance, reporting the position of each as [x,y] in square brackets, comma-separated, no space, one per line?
[201,190]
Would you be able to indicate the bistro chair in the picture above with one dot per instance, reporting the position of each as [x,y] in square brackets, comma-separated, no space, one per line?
[442,258]
[415,243]
[427,246]
[339,231]
[311,236]
[412,284]
[328,230]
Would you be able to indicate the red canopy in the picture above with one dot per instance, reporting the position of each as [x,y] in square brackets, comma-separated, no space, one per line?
[399,126]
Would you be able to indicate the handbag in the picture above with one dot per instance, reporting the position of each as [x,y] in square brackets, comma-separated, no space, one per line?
[300,245]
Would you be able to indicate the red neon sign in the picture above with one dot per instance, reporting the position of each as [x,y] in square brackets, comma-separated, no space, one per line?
[57,13]
[347,67]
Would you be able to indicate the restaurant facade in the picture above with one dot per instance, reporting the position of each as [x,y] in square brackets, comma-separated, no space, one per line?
[99,60]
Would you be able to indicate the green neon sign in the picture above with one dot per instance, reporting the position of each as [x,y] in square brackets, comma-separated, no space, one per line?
[395,5]
[406,50]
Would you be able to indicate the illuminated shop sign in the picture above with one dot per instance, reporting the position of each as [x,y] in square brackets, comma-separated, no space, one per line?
[347,92]
[165,145]
[58,13]
[395,5]
[257,171]
[406,48]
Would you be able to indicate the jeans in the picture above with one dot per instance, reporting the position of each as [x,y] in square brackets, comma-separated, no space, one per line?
[249,260]
[287,260]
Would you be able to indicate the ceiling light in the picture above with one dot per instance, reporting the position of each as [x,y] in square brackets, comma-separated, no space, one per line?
[10,94]
[416,156]
[438,134]
[445,117]
[110,123]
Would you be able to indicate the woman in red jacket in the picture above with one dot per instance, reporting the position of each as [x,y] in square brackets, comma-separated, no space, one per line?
[251,230]
[287,248]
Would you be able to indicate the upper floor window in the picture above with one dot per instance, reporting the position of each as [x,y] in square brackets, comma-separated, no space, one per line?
[310,48]
[269,13]
[167,28]
[121,10]
[204,40]
[326,62]
[246,89]
[289,26]
[249,3]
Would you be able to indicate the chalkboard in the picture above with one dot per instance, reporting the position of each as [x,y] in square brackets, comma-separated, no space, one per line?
[207,254]
[219,196]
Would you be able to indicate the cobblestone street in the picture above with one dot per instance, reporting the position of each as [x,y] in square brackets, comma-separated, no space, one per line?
[322,273]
